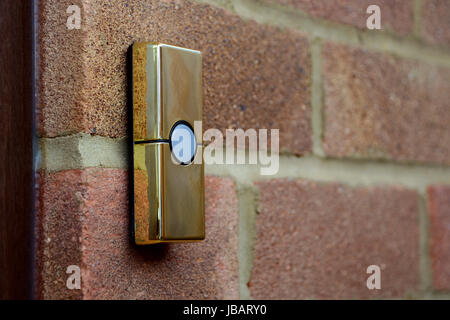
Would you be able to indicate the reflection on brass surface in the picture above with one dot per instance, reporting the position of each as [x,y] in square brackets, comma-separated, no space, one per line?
[141,208]
[147,163]
[168,197]
[181,87]
[139,91]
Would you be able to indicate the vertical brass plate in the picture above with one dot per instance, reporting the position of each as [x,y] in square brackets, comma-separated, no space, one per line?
[183,199]
[168,197]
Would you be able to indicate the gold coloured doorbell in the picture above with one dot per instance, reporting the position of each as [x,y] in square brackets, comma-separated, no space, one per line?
[168,183]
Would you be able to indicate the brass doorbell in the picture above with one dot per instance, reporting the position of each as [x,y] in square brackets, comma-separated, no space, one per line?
[168,186]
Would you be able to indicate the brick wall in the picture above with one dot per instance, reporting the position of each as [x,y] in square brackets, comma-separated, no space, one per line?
[364,173]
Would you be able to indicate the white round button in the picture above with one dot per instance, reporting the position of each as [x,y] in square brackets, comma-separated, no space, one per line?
[183,143]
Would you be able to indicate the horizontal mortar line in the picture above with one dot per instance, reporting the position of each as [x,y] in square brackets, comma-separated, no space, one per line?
[82,151]
[345,171]
[378,41]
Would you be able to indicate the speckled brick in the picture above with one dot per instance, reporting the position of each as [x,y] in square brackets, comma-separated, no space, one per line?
[380,106]
[439,211]
[396,15]
[436,21]
[59,232]
[111,268]
[60,71]
[317,240]
[254,76]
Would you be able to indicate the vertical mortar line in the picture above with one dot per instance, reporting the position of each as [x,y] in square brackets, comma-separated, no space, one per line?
[429,291]
[317,96]
[246,236]
[417,12]
[424,237]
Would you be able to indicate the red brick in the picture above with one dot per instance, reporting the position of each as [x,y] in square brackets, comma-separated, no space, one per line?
[60,70]
[377,105]
[396,15]
[439,210]
[59,232]
[254,76]
[111,267]
[436,21]
[317,240]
